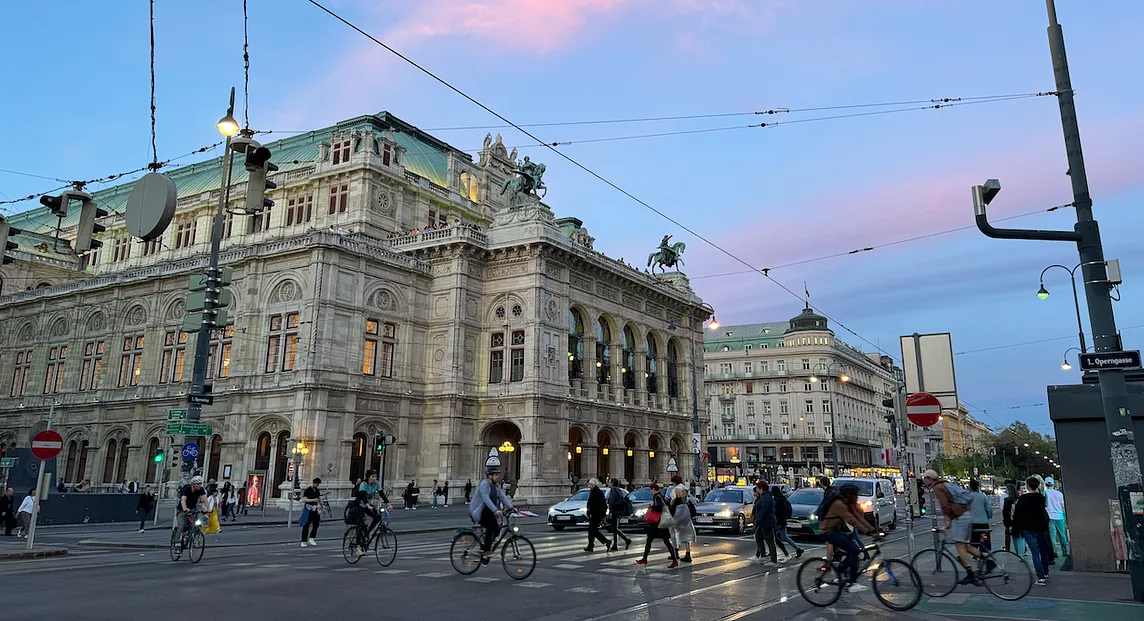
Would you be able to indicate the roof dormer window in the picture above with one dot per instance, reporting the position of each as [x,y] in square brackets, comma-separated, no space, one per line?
[341,152]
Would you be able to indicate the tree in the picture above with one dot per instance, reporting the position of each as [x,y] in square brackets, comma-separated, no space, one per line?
[1017,452]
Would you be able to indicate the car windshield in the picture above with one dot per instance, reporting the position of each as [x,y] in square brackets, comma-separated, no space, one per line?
[865,488]
[724,495]
[806,497]
[580,495]
[643,493]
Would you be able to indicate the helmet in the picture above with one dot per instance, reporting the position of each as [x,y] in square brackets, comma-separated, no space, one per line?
[198,480]
[848,489]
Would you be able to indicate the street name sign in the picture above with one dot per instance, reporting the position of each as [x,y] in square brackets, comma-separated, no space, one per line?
[176,415]
[1110,360]
[189,429]
[201,399]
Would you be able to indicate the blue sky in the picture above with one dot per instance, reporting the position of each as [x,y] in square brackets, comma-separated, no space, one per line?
[77,107]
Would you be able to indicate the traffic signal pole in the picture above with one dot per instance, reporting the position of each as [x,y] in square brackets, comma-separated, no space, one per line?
[1125,459]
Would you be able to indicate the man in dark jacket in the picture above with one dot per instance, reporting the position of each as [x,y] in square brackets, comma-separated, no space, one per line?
[8,508]
[1007,513]
[617,508]
[765,521]
[783,512]
[597,510]
[1031,522]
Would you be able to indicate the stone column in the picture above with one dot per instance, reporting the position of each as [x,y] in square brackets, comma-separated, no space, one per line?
[587,462]
[642,476]
[617,375]
[640,370]
[616,462]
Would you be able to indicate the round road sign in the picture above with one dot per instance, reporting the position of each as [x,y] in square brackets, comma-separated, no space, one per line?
[47,444]
[923,409]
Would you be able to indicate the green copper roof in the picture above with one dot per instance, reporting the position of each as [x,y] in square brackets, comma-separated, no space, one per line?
[425,156]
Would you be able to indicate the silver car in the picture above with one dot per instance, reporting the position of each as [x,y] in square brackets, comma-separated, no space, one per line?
[572,511]
[730,508]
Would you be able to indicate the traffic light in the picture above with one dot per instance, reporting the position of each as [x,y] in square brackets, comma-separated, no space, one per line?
[87,225]
[158,458]
[58,204]
[259,166]
[888,403]
[379,442]
[206,305]
[5,245]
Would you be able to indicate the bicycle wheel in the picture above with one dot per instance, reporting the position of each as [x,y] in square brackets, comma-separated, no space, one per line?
[385,546]
[350,545]
[938,571]
[198,545]
[518,557]
[897,585]
[176,545]
[819,582]
[1010,579]
[465,553]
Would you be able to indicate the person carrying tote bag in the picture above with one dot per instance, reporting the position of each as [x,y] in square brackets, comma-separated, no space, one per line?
[658,519]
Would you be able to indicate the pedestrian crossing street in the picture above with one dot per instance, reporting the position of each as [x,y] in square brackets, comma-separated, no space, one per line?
[430,560]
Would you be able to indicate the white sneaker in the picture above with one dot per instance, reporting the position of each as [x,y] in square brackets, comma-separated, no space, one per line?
[785,558]
[303,544]
[312,542]
[754,559]
[856,588]
[141,530]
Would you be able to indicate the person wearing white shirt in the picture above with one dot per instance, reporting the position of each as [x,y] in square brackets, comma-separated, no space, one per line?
[25,513]
[1055,503]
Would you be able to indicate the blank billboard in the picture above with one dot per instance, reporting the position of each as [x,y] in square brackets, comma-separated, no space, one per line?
[936,361]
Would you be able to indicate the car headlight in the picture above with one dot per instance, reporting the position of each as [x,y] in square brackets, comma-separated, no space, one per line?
[866,505]
[551,511]
[641,512]
[725,513]
[812,517]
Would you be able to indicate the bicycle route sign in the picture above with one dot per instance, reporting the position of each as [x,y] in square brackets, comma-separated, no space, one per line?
[190,451]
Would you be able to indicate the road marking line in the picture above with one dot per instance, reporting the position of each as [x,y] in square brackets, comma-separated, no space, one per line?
[241,564]
[350,569]
[532,585]
[581,590]
[434,574]
[273,566]
[391,572]
[482,580]
[565,566]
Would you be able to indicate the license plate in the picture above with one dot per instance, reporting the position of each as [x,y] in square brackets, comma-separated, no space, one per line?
[704,519]
[634,520]
[562,518]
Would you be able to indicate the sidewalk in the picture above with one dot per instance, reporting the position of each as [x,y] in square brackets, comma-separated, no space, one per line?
[253,529]
[1069,596]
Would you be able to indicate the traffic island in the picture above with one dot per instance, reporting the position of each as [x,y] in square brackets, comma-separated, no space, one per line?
[7,554]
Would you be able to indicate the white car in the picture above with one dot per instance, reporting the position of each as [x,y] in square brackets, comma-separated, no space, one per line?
[877,499]
[571,511]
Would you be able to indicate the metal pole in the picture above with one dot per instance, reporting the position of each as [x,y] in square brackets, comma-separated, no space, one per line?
[40,483]
[1076,303]
[694,397]
[203,338]
[833,436]
[162,471]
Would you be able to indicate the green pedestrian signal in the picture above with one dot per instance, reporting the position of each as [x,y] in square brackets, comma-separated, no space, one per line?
[158,458]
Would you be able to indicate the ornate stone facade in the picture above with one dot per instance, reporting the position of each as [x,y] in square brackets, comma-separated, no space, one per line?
[391,289]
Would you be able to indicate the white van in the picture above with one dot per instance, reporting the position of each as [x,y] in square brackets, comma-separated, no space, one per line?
[877,499]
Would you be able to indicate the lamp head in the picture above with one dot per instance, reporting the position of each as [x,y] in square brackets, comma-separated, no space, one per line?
[1043,293]
[1065,366]
[227,126]
[714,325]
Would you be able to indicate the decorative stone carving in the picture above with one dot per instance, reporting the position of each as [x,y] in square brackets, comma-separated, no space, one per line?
[607,292]
[26,333]
[286,291]
[512,269]
[581,283]
[442,268]
[97,322]
[60,327]
[470,308]
[439,355]
[177,309]
[135,317]
[382,299]
[553,309]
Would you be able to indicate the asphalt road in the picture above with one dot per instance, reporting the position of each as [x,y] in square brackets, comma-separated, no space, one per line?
[277,580]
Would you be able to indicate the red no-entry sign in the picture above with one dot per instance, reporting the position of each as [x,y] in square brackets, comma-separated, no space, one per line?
[923,409]
[47,444]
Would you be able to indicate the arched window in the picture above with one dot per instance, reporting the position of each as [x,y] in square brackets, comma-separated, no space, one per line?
[152,467]
[575,345]
[81,467]
[280,465]
[3,448]
[629,363]
[109,461]
[358,457]
[216,457]
[121,468]
[262,452]
[652,365]
[603,352]
[672,370]
[69,467]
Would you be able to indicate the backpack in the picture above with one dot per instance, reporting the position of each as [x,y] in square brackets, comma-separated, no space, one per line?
[691,508]
[627,508]
[960,496]
[828,499]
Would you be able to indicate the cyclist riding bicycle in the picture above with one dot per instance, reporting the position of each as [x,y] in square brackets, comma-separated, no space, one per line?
[485,506]
[844,510]
[189,498]
[366,491]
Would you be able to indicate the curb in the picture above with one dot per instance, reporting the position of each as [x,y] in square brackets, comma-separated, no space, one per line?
[95,543]
[34,553]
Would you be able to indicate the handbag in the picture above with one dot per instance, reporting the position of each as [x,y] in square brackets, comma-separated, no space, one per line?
[652,517]
[666,519]
[305,514]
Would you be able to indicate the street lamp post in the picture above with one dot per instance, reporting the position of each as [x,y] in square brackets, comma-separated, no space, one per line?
[1043,293]
[1065,366]
[842,377]
[714,325]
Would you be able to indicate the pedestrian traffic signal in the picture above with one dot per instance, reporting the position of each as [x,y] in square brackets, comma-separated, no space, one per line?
[5,231]
[58,204]
[87,225]
[888,403]
[259,166]
[379,442]
[158,456]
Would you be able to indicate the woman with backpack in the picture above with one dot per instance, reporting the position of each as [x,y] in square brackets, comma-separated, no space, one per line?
[618,506]
[658,519]
[782,514]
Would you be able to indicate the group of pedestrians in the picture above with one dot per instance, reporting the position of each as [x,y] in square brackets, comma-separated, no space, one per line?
[13,515]
[771,511]
[1035,520]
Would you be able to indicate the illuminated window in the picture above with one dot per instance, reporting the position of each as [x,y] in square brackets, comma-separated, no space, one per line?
[220,338]
[174,356]
[21,373]
[92,365]
[54,374]
[131,360]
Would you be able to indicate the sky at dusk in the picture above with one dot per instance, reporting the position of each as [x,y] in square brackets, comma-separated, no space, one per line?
[77,106]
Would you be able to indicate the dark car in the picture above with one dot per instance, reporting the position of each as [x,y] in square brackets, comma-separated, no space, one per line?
[726,508]
[803,503]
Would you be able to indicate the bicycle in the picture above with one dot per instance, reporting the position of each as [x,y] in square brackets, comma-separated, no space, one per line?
[827,577]
[1003,573]
[189,539]
[384,540]
[518,555]
[324,506]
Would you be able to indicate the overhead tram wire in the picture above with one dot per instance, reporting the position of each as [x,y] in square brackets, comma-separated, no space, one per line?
[591,172]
